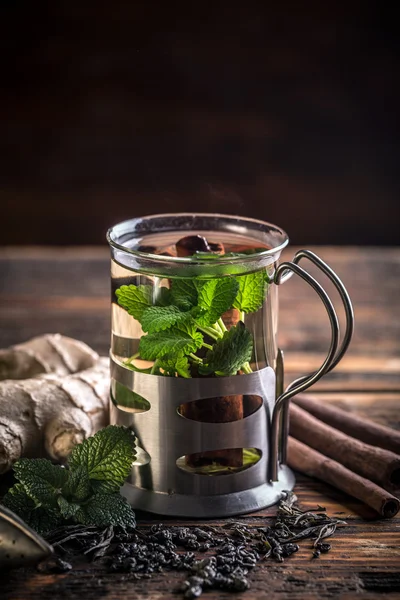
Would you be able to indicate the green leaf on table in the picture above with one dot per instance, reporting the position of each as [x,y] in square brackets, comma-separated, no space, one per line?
[48,495]
[135,299]
[216,296]
[230,353]
[77,486]
[103,510]
[41,480]
[171,365]
[184,293]
[252,291]
[67,509]
[177,341]
[19,502]
[41,519]
[107,457]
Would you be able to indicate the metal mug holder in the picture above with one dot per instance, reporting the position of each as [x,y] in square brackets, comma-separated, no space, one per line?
[157,484]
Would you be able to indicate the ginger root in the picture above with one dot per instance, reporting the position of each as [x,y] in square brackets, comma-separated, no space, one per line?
[50,353]
[46,415]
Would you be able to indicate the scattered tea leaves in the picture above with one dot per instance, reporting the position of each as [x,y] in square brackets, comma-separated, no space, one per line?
[237,547]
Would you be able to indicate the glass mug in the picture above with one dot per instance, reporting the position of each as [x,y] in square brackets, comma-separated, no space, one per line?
[195,367]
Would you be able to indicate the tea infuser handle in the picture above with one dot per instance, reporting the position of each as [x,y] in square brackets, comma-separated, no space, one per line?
[335,353]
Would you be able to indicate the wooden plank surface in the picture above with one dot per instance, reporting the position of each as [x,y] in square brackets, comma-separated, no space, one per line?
[66,290]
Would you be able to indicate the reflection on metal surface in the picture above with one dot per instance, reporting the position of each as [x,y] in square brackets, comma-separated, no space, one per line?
[19,544]
[211,506]
[161,486]
[141,458]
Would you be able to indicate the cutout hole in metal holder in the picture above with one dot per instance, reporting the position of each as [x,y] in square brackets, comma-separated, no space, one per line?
[249,458]
[206,409]
[127,400]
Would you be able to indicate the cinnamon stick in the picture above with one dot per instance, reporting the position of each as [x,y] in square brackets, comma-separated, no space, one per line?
[362,429]
[376,464]
[310,462]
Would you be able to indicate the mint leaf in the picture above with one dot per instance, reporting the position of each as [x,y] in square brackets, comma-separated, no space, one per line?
[41,479]
[178,341]
[252,291]
[159,318]
[19,502]
[174,364]
[48,495]
[107,457]
[39,518]
[44,519]
[67,509]
[77,486]
[216,296]
[184,293]
[106,509]
[135,298]
[230,353]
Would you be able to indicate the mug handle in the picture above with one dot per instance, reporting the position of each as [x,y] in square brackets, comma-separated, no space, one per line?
[280,416]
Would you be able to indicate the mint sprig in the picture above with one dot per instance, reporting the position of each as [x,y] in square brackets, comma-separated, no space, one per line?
[106,509]
[44,482]
[106,457]
[87,491]
[187,318]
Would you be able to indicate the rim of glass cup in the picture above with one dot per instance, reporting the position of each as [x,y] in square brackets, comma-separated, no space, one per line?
[195,259]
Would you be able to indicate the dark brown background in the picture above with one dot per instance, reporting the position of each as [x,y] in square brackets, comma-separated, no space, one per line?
[117,109]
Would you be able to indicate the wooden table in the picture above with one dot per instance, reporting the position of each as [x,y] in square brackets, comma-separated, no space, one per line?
[66,290]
